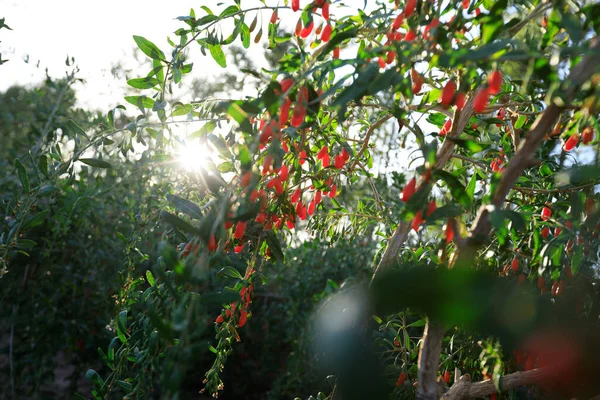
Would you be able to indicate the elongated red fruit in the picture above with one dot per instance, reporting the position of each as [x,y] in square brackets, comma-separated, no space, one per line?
[333,192]
[298,115]
[284,112]
[417,80]
[545,232]
[588,135]
[448,93]
[401,379]
[571,142]
[410,7]
[449,233]
[326,34]
[318,195]
[495,82]
[336,52]
[284,173]
[301,210]
[286,84]
[311,208]
[295,5]
[246,178]
[296,195]
[481,100]
[408,190]
[546,213]
[431,207]
[240,228]
[446,128]
[325,10]
[302,157]
[515,265]
[306,30]
[398,21]
[417,221]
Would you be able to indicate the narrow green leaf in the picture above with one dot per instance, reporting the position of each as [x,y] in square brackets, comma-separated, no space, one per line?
[231,272]
[520,122]
[95,162]
[71,125]
[181,109]
[22,174]
[185,206]
[146,102]
[143,83]
[150,278]
[35,220]
[217,54]
[471,187]
[149,48]
[178,222]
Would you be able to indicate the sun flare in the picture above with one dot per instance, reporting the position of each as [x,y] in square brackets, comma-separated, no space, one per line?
[193,156]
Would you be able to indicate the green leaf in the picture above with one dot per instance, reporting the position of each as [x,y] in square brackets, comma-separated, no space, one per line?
[26,244]
[94,377]
[143,83]
[146,101]
[185,206]
[471,187]
[122,326]
[417,324]
[456,188]
[520,122]
[125,386]
[178,222]
[181,109]
[43,164]
[231,272]
[35,220]
[469,145]
[205,130]
[22,174]
[73,127]
[217,54]
[150,278]
[274,245]
[149,48]
[229,11]
[95,162]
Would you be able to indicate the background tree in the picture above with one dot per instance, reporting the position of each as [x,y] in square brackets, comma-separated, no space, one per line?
[477,275]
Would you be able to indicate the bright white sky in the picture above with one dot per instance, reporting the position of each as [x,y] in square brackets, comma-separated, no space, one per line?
[97,33]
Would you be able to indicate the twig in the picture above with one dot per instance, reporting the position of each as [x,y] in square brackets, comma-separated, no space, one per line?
[372,128]
[476,162]
[565,190]
[375,192]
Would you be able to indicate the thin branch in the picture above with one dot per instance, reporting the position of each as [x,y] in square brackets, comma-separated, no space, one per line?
[565,190]
[375,192]
[476,162]
[372,128]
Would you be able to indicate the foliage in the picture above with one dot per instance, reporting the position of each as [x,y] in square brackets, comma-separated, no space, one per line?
[493,98]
